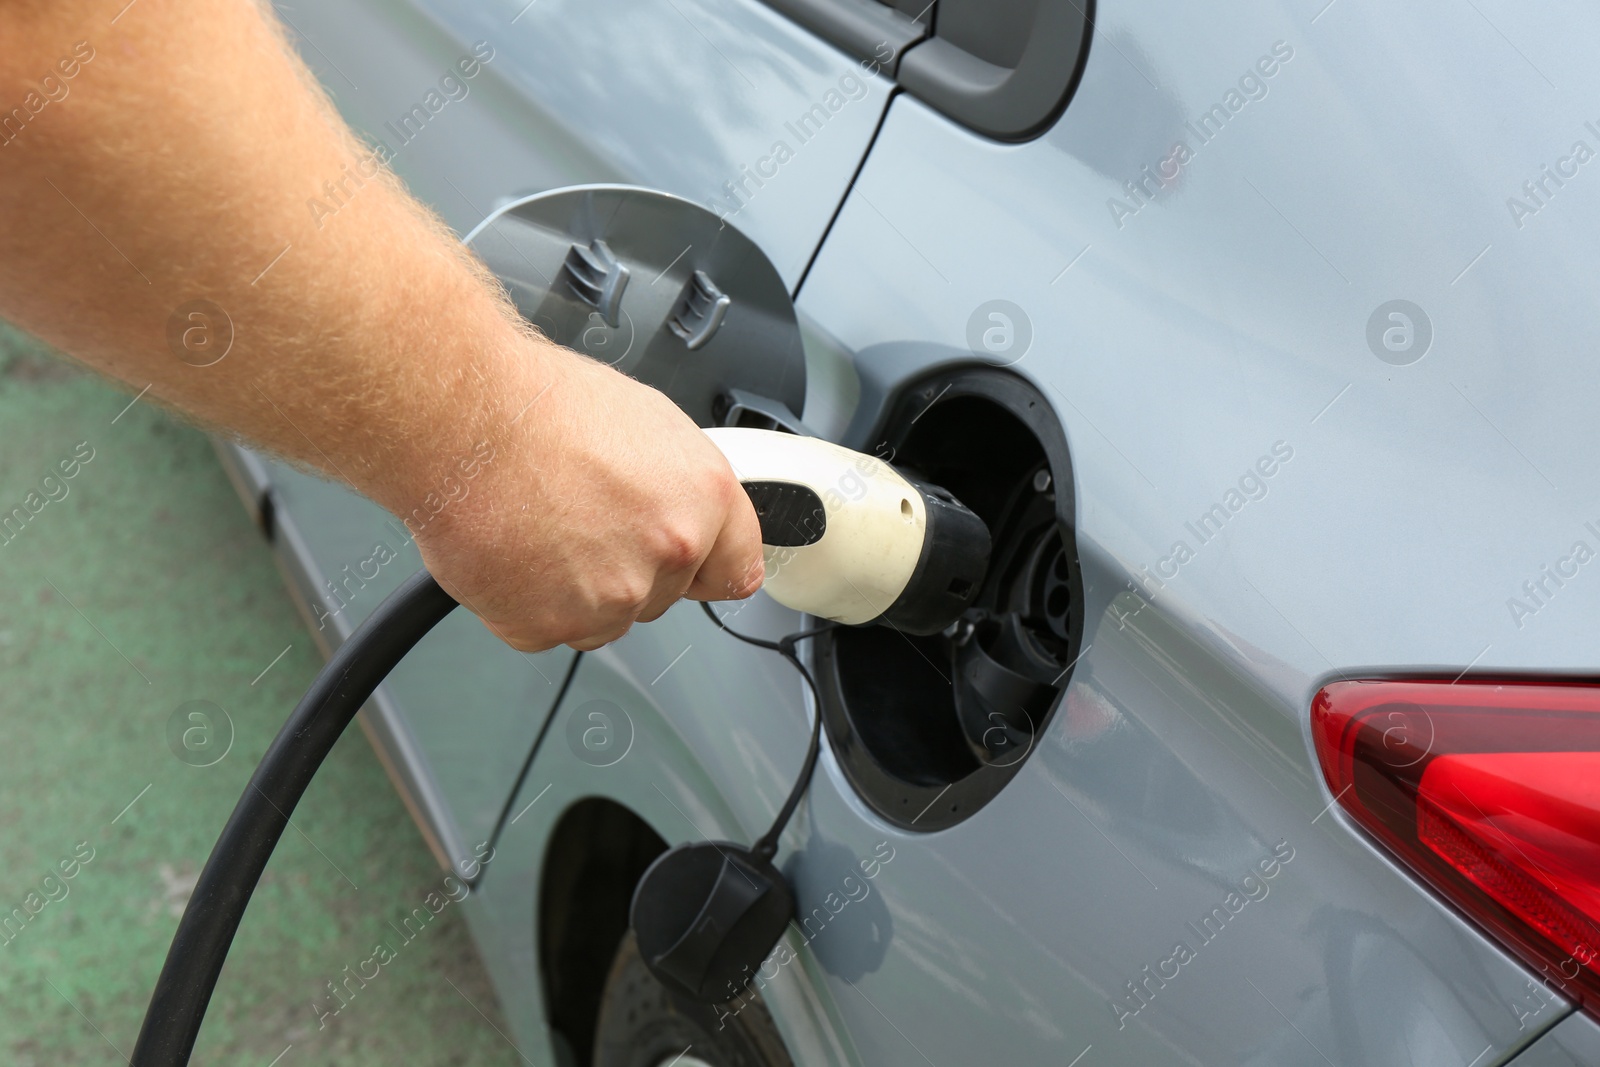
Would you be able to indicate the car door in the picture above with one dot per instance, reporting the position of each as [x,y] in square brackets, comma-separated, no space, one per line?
[1270,494]
[1148,319]
[474,104]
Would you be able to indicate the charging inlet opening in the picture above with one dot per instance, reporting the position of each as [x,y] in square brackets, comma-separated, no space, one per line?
[929,729]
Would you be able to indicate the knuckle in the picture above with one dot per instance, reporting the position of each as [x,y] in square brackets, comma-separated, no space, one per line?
[571,631]
[679,547]
[751,581]
[746,591]
[531,641]
[626,596]
[652,613]
[712,481]
[728,491]
[718,475]
[600,638]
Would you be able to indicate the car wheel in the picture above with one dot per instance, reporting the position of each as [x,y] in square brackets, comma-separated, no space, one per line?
[644,1024]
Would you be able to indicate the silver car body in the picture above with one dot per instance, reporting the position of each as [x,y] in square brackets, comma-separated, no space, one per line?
[1180,338]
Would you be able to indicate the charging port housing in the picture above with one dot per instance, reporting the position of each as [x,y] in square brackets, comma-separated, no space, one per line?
[928,729]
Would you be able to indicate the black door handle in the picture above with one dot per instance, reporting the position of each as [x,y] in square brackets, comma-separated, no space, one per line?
[1004,68]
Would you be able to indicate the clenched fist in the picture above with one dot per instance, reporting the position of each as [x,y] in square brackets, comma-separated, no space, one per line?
[604,505]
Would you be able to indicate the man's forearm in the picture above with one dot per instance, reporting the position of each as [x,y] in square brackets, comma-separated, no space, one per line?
[176,170]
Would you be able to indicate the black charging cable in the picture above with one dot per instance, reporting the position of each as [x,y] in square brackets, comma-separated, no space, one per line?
[766,845]
[216,907]
[199,948]
[705,914]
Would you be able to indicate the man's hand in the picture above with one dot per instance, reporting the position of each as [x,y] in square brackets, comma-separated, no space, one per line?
[602,506]
[180,164]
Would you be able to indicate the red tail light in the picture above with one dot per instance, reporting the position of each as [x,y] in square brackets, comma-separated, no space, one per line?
[1491,794]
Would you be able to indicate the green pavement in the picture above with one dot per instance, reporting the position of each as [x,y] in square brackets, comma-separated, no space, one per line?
[138,588]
